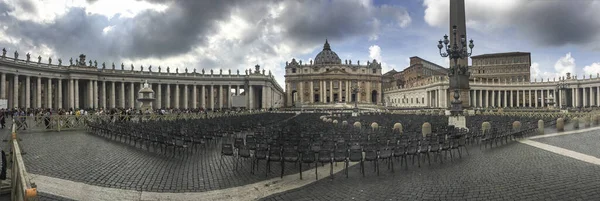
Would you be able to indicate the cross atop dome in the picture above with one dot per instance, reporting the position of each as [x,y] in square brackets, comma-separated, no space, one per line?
[326,46]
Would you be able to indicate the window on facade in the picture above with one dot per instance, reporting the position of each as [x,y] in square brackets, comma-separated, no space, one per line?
[293,70]
[374,70]
[422,100]
[327,70]
[306,70]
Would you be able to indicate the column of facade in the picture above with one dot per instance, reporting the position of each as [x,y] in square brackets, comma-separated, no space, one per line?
[203,96]
[159,96]
[89,95]
[542,96]
[228,95]
[493,100]
[194,96]
[598,96]
[27,92]
[331,91]
[529,101]
[96,99]
[237,90]
[3,86]
[76,87]
[131,95]
[479,99]
[211,95]
[38,92]
[59,95]
[186,101]
[591,96]
[584,100]
[177,94]
[104,95]
[113,94]
[511,98]
[220,96]
[122,95]
[250,97]
[15,103]
[518,98]
[49,93]
[311,89]
[168,96]
[556,98]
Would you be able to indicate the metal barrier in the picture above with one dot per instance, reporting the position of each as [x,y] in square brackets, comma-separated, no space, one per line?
[22,187]
[78,122]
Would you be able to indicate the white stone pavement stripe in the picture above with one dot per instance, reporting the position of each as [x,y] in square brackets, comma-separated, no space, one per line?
[82,191]
[563,151]
[564,133]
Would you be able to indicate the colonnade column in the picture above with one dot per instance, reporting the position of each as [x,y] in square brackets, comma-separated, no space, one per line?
[493,98]
[49,93]
[27,92]
[122,95]
[228,94]
[220,96]
[591,97]
[96,99]
[2,86]
[194,97]
[15,91]
[59,95]
[203,97]
[237,90]
[38,93]
[597,96]
[113,94]
[158,96]
[584,101]
[186,101]
[250,98]
[103,91]
[132,95]
[331,91]
[518,98]
[542,98]
[176,105]
[311,88]
[211,99]
[168,96]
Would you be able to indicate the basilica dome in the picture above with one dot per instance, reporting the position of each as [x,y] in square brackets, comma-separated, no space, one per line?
[327,56]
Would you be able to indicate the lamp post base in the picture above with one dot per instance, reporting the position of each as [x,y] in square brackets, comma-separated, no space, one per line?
[458,121]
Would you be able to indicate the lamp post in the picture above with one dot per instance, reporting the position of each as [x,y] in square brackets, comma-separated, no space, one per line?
[458,75]
[561,86]
[355,92]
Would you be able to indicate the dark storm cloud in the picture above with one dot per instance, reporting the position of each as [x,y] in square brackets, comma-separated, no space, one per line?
[557,23]
[182,26]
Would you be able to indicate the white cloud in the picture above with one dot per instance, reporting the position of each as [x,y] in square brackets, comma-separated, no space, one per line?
[593,69]
[565,65]
[375,53]
[535,70]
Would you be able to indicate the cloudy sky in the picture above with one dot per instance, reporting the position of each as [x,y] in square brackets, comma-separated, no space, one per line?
[562,36]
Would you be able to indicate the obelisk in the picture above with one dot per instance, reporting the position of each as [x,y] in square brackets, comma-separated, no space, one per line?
[457,17]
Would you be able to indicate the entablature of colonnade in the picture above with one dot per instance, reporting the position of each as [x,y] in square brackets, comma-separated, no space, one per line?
[83,71]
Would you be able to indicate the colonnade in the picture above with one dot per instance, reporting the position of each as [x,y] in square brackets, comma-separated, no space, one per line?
[24,91]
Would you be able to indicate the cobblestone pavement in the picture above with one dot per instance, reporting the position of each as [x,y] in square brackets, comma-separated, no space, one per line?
[87,158]
[510,172]
[585,143]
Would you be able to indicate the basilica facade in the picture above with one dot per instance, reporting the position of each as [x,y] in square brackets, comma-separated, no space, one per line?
[329,81]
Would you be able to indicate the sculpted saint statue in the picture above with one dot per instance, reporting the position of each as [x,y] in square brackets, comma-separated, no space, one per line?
[168,69]
[229,71]
[131,67]
[71,61]
[159,69]
[194,70]
[122,66]
[238,71]
[177,70]
[59,61]
[95,64]
[141,67]
[246,71]
[113,65]
[3,52]
[49,60]
[39,59]
[28,56]
[211,71]
[220,71]
[203,71]
[186,70]
[16,55]
[150,68]
[103,65]
[90,62]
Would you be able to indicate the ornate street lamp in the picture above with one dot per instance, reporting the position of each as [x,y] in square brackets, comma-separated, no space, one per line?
[459,74]
[561,87]
[355,90]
